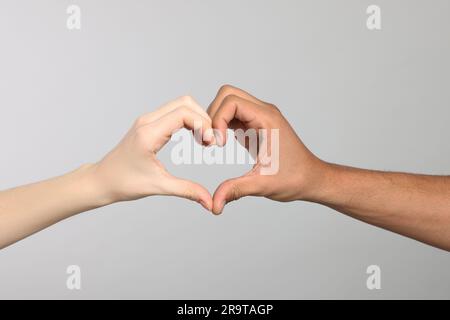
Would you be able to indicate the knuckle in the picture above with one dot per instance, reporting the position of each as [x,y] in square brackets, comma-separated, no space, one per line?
[188,100]
[274,109]
[187,113]
[140,121]
[142,135]
[184,109]
[230,98]
[226,90]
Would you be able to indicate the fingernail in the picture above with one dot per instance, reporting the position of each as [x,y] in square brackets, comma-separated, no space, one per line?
[209,137]
[218,138]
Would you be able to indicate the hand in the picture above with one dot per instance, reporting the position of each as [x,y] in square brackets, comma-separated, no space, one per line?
[132,171]
[299,173]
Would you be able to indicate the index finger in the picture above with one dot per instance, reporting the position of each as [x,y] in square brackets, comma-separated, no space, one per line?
[160,131]
[234,107]
[226,91]
[184,101]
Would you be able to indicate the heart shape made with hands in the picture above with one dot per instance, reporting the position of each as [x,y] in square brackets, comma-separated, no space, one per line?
[132,171]
[248,117]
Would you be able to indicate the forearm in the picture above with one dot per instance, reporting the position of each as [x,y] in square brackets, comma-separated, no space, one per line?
[130,171]
[28,209]
[417,206]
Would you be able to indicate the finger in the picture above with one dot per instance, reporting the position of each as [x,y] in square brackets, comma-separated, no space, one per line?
[225,91]
[231,108]
[174,186]
[234,189]
[162,129]
[185,101]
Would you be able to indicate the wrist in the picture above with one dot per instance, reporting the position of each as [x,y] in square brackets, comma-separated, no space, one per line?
[94,186]
[321,182]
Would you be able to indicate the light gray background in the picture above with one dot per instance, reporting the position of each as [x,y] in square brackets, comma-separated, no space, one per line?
[377,100]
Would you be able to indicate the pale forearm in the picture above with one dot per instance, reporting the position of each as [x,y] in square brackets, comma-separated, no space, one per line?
[417,206]
[130,171]
[28,209]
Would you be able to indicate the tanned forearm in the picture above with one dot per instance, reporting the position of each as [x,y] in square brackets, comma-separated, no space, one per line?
[417,206]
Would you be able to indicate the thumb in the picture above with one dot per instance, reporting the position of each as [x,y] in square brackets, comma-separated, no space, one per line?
[189,190]
[236,188]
